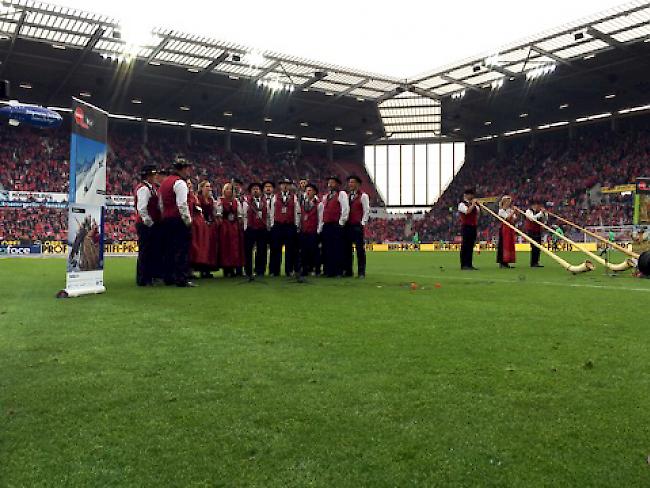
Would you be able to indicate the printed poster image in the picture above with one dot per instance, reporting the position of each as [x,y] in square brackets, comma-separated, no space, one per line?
[90,173]
[85,240]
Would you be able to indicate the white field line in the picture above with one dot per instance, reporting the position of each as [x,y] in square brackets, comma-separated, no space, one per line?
[499,280]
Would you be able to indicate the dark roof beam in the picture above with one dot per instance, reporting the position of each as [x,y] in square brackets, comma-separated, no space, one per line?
[606,38]
[19,26]
[94,39]
[462,83]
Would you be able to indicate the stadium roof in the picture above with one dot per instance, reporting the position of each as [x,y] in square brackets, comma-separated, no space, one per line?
[407,108]
[75,28]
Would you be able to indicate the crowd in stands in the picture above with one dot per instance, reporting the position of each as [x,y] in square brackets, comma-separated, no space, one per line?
[566,173]
[34,223]
[560,171]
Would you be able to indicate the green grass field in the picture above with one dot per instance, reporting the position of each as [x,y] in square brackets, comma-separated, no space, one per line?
[518,378]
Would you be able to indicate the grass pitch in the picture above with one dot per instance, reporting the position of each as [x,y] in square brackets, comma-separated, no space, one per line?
[495,378]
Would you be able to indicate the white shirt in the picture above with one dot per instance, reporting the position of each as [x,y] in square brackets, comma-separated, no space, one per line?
[321,208]
[464,208]
[296,207]
[144,195]
[181,190]
[506,213]
[539,216]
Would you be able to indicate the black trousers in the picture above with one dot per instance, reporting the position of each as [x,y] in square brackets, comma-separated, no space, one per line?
[255,239]
[534,252]
[308,253]
[149,260]
[333,246]
[500,248]
[468,233]
[176,255]
[283,235]
[354,237]
[318,265]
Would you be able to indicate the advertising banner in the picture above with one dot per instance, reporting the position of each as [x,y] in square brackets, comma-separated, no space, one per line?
[18,251]
[87,198]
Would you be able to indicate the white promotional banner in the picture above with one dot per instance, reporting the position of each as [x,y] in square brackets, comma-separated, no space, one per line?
[87,198]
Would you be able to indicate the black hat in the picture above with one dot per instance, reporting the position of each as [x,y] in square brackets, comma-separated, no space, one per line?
[285,180]
[181,163]
[254,184]
[313,186]
[469,191]
[335,178]
[238,181]
[268,182]
[148,170]
[357,178]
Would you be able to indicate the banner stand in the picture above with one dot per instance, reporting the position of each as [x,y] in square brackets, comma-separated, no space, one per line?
[86,201]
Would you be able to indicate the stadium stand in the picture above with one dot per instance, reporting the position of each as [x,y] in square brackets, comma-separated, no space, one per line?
[566,173]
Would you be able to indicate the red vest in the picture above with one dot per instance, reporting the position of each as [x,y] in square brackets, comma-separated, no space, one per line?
[257,218]
[289,214]
[152,206]
[170,210]
[469,218]
[309,218]
[207,205]
[229,209]
[356,209]
[332,210]
[532,227]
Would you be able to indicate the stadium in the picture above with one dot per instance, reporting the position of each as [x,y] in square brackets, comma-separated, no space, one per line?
[222,265]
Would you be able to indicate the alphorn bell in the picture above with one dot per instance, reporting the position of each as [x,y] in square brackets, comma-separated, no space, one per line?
[596,236]
[627,264]
[572,268]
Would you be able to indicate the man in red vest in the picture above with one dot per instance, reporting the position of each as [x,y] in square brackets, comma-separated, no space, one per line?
[147,226]
[268,189]
[176,225]
[354,228]
[534,230]
[257,222]
[285,219]
[311,217]
[468,210]
[336,209]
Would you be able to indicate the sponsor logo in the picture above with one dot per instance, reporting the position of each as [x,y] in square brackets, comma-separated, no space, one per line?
[20,250]
[81,119]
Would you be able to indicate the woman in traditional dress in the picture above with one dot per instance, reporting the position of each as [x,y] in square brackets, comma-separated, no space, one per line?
[506,246]
[198,246]
[204,232]
[230,235]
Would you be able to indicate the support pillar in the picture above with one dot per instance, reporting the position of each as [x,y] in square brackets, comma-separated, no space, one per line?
[298,145]
[265,143]
[228,141]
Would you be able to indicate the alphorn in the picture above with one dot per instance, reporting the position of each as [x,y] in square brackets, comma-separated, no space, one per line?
[596,236]
[572,268]
[627,264]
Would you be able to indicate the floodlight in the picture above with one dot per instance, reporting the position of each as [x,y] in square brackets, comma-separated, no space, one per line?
[255,58]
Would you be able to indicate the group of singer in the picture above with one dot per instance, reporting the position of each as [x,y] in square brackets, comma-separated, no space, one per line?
[183,232]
